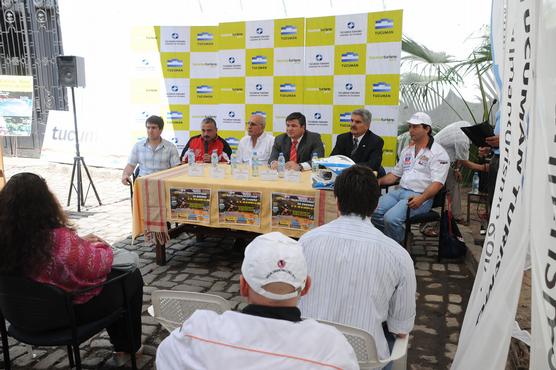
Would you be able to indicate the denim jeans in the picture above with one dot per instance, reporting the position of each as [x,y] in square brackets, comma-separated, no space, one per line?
[389,216]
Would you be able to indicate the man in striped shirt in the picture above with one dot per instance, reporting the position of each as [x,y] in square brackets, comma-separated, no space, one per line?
[361,277]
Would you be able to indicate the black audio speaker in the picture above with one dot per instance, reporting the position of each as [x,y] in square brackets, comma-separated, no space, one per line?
[71,71]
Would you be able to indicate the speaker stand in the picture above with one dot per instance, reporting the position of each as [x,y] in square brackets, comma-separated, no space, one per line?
[78,160]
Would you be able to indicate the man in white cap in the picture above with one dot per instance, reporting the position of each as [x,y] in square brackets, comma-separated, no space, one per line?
[269,332]
[421,170]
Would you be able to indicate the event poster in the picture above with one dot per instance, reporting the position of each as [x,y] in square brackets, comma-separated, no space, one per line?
[292,211]
[16,105]
[239,207]
[191,205]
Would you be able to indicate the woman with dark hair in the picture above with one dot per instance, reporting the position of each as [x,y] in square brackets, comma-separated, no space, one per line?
[37,241]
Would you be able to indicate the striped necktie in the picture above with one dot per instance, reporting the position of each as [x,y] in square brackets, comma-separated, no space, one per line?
[293,151]
[354,149]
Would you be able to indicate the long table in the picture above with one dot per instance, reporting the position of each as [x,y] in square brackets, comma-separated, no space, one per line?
[225,204]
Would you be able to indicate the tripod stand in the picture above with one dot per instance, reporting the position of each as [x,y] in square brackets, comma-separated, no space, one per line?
[77,161]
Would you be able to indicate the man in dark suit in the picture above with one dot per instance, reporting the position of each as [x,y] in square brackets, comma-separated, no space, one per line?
[297,144]
[361,144]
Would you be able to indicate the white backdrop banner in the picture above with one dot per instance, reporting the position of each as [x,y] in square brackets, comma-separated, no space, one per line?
[543,198]
[487,327]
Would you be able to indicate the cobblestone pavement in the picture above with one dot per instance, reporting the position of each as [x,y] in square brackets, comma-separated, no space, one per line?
[213,265]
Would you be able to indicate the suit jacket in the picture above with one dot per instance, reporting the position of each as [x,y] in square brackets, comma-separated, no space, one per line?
[369,150]
[309,144]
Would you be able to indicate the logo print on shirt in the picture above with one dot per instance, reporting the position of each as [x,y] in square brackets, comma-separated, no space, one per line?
[281,264]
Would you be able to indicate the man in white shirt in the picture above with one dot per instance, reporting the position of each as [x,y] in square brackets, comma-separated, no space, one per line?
[421,170]
[256,140]
[361,277]
[269,332]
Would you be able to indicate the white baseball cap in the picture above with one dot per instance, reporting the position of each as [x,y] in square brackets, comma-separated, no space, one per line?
[420,118]
[273,258]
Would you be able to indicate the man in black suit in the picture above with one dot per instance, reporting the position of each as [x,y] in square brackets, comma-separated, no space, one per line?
[297,144]
[361,144]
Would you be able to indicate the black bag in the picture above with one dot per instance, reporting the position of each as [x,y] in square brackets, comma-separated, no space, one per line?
[451,241]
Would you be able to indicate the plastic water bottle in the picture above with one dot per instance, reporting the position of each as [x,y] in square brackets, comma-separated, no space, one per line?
[281,165]
[314,164]
[234,160]
[191,157]
[475,183]
[254,165]
[214,158]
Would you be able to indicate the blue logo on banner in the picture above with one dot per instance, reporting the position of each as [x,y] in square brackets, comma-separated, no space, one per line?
[317,115]
[258,113]
[382,87]
[231,60]
[318,57]
[175,35]
[350,25]
[345,117]
[232,141]
[288,30]
[350,57]
[259,87]
[258,59]
[205,36]
[259,30]
[174,88]
[287,87]
[145,62]
[384,23]
[349,86]
[204,89]
[231,114]
[174,63]
[174,115]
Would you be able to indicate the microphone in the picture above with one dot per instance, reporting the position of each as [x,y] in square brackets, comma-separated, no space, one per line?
[206,146]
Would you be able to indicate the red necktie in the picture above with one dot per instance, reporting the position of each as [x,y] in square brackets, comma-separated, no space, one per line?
[293,151]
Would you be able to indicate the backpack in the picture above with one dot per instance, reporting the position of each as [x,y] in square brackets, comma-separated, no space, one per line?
[451,243]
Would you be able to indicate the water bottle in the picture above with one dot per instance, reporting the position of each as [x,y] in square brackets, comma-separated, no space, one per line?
[214,158]
[314,164]
[475,183]
[191,157]
[281,165]
[254,165]
[234,160]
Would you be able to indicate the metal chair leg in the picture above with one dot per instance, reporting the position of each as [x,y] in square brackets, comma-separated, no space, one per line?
[5,345]
[77,356]
[70,356]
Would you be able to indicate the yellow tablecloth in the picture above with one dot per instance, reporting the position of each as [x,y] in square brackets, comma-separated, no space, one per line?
[159,185]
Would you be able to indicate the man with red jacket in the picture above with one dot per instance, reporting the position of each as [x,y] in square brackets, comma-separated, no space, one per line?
[203,145]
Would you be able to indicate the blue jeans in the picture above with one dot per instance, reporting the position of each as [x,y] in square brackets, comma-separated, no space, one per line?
[389,216]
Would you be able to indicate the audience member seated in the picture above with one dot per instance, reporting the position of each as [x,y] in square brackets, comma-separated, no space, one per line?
[203,145]
[360,144]
[297,145]
[37,241]
[421,170]
[361,277]
[152,154]
[256,140]
[269,332]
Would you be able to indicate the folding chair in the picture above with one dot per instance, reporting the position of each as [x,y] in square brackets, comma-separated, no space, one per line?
[171,308]
[364,347]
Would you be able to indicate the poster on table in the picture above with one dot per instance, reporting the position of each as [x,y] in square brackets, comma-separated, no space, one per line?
[292,211]
[191,205]
[239,207]
[16,105]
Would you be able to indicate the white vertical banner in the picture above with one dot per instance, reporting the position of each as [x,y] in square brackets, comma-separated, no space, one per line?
[543,200]
[487,327]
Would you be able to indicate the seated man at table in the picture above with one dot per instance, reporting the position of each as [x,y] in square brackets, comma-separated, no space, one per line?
[421,170]
[256,140]
[152,154]
[361,277]
[203,145]
[360,144]
[269,332]
[297,144]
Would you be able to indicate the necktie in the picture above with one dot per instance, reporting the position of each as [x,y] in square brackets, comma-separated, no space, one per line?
[354,147]
[293,151]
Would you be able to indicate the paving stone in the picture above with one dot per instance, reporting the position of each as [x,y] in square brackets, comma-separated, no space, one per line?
[196,271]
[219,286]
[438,267]
[422,273]
[201,283]
[434,298]
[181,277]
[452,322]
[434,286]
[454,298]
[424,329]
[188,288]
[100,343]
[49,360]
[454,309]
[422,266]
[453,267]
[222,274]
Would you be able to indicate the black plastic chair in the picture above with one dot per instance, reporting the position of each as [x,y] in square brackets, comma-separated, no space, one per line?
[431,216]
[43,315]
[133,177]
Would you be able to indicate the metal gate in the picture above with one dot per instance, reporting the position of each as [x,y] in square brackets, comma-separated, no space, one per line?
[30,41]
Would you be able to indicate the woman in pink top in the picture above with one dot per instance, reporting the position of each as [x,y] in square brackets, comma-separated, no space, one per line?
[37,241]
